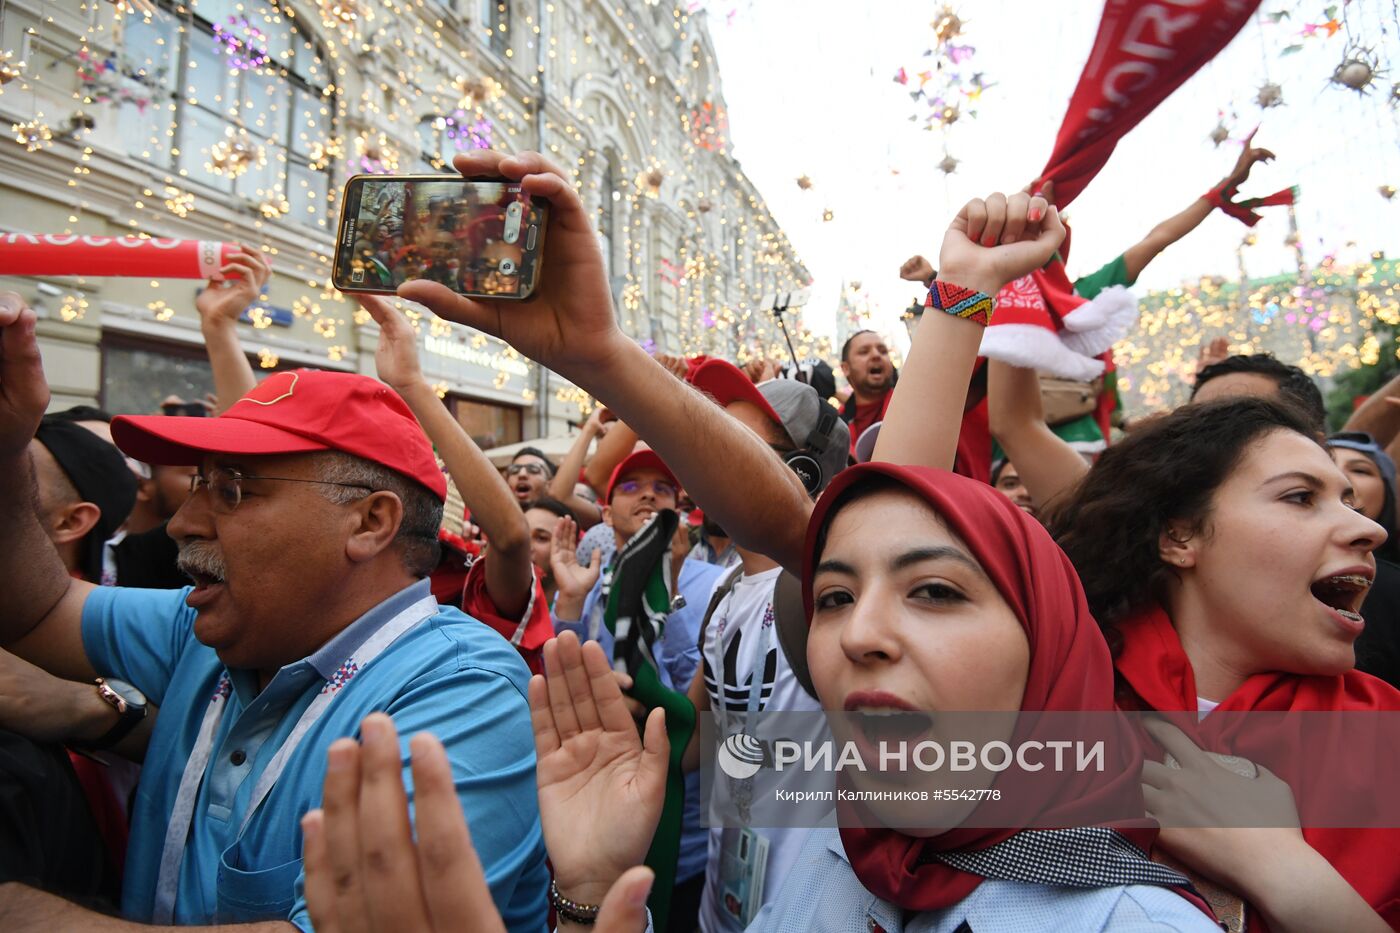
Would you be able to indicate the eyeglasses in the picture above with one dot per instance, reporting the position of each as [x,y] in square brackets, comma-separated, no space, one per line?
[226,485]
[659,487]
[534,469]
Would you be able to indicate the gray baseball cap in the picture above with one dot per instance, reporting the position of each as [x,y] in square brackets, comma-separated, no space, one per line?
[808,420]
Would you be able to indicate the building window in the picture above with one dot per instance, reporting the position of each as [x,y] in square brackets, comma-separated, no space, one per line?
[609,197]
[139,372]
[239,102]
[495,20]
[435,149]
[487,424]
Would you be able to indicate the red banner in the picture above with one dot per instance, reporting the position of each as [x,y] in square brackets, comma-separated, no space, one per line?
[97,256]
[1145,49]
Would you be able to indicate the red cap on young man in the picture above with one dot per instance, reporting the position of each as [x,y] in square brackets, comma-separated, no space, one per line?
[292,412]
[646,459]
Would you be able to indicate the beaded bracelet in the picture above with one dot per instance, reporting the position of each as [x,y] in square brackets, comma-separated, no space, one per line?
[572,911]
[965,303]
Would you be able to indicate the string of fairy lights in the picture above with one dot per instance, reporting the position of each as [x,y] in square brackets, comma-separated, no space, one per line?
[266,106]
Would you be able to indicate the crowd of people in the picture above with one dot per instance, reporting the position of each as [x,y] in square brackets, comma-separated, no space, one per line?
[316,663]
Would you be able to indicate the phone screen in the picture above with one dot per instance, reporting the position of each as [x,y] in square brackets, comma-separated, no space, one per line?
[481,238]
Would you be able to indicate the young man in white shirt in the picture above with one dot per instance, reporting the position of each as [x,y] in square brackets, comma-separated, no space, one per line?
[743,666]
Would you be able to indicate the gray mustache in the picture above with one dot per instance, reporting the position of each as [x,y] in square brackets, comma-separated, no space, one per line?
[202,557]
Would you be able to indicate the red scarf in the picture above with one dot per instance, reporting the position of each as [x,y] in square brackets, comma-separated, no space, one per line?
[1144,50]
[1070,669]
[1154,666]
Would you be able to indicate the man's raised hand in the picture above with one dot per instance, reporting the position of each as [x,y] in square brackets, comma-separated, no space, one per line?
[24,392]
[572,578]
[223,300]
[601,786]
[916,269]
[998,239]
[1249,155]
[396,356]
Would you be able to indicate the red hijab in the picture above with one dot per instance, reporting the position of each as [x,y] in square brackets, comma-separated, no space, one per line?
[1157,675]
[1070,669]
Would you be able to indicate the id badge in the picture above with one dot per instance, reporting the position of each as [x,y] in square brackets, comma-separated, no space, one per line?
[743,866]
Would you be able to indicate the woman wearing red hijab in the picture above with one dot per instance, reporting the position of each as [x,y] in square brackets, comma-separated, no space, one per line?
[930,591]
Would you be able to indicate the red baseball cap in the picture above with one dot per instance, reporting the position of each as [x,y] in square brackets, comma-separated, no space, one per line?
[290,412]
[727,383]
[638,460]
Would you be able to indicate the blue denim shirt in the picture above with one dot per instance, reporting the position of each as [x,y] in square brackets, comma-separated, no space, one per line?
[449,675]
[678,657]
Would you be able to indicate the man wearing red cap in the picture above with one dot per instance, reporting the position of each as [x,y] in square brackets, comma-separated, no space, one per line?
[310,530]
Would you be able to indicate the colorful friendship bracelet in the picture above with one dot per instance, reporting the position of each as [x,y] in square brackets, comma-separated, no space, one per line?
[965,303]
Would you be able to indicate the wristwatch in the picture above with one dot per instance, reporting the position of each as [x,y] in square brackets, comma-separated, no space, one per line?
[130,705]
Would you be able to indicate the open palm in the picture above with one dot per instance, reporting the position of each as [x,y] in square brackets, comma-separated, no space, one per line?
[396,356]
[600,788]
[571,577]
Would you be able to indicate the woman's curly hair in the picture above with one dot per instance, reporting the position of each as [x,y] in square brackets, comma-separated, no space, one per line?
[1111,525]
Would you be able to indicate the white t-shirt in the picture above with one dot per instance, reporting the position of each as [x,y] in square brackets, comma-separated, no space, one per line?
[742,622]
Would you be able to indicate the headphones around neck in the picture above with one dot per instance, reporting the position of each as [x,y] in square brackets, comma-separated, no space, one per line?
[805,462]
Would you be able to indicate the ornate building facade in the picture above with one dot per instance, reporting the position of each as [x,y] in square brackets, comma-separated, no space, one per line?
[240,120]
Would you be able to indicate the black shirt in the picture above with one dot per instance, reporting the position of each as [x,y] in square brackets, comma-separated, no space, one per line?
[148,560]
[1378,647]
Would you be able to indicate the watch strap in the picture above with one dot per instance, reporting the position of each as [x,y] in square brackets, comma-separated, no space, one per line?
[127,719]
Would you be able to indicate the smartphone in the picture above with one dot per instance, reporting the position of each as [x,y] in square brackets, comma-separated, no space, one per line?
[481,238]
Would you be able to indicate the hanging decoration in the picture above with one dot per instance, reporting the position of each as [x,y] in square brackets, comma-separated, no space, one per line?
[180,203]
[233,155]
[1358,70]
[9,68]
[478,92]
[375,155]
[804,182]
[649,182]
[34,134]
[466,130]
[828,215]
[343,15]
[948,165]
[1387,191]
[321,153]
[704,205]
[73,308]
[948,81]
[1220,134]
[1270,95]
[242,43]
[273,208]
[267,359]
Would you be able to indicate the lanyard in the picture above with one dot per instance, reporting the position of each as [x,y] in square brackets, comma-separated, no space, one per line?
[182,814]
[755,669]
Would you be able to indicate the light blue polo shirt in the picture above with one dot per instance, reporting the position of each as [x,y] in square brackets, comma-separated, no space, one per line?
[449,675]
